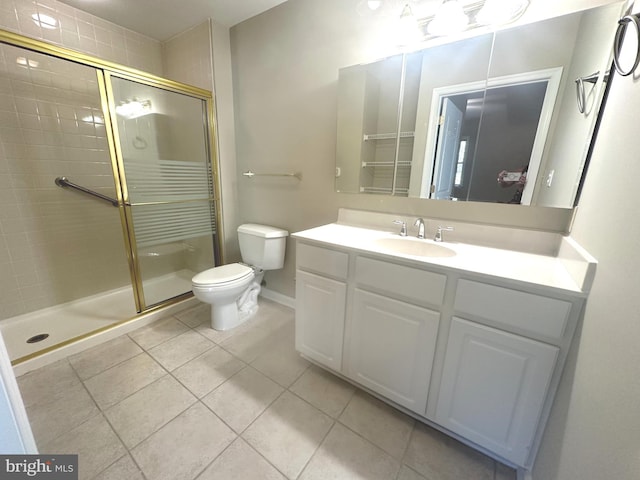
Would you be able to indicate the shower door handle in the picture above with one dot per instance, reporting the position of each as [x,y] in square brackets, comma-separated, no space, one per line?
[64,182]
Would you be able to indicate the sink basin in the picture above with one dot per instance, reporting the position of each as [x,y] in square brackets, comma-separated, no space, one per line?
[414,246]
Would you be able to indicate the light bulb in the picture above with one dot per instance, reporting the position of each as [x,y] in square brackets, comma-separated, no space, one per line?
[497,12]
[450,18]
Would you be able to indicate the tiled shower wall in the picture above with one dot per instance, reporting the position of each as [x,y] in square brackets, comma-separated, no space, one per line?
[57,246]
[83,32]
[187,57]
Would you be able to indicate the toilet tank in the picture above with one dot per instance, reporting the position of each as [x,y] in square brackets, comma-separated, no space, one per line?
[262,246]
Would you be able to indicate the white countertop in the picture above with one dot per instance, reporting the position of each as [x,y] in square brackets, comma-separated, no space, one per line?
[547,271]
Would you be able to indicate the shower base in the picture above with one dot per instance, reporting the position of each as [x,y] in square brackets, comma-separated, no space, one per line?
[79,318]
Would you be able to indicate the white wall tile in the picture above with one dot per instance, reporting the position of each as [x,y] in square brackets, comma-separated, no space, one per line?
[84,32]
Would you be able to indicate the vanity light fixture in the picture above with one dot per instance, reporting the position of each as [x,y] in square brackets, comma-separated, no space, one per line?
[498,12]
[450,18]
[374,4]
[44,21]
[454,16]
[408,27]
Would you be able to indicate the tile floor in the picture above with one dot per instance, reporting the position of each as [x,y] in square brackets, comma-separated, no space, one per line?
[177,400]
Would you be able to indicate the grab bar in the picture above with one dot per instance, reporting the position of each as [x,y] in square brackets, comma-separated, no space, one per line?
[64,182]
[251,174]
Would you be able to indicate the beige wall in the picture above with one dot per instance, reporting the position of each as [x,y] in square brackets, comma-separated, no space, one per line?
[594,425]
[286,64]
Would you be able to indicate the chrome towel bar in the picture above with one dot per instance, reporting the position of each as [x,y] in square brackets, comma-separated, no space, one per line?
[64,182]
[251,174]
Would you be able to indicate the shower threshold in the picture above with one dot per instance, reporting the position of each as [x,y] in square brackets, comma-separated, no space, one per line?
[77,320]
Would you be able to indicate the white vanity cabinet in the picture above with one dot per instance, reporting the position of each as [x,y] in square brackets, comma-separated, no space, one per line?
[320,303]
[497,373]
[391,337]
[476,354]
[493,387]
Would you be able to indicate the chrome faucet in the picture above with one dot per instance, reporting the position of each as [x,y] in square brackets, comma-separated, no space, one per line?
[420,224]
[438,237]
[403,227]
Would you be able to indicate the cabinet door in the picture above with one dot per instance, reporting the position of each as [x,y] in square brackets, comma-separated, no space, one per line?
[320,311]
[391,348]
[493,387]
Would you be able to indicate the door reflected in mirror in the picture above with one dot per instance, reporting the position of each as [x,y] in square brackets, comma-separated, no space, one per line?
[484,134]
[492,118]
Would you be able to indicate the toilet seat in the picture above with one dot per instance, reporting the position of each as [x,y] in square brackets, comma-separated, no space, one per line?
[222,275]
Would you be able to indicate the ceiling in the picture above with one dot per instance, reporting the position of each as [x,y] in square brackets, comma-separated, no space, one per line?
[162,19]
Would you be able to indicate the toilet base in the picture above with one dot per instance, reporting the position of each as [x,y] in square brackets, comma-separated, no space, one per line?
[230,315]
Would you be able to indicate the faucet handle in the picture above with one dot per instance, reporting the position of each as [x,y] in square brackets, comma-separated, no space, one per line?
[438,237]
[420,224]
[403,228]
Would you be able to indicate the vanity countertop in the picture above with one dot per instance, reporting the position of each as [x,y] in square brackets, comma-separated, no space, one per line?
[547,271]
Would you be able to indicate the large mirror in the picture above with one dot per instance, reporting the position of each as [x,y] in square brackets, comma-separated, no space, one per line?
[504,117]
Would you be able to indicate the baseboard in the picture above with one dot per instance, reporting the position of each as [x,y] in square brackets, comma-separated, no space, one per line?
[278,297]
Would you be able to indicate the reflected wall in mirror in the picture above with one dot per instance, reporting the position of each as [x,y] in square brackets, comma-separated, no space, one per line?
[492,118]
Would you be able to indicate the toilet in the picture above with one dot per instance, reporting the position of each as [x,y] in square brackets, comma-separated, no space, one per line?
[232,290]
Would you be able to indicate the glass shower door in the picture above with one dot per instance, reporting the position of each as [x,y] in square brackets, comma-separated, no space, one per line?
[167,185]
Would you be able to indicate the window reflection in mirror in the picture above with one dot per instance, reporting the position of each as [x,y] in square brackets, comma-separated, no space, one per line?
[402,150]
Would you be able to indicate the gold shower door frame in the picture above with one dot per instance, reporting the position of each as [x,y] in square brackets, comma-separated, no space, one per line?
[105,71]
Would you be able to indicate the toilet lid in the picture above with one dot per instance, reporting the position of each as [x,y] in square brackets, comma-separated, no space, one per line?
[222,274]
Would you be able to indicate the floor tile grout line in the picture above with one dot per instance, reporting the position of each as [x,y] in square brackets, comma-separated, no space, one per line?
[228,380]
[98,412]
[132,393]
[182,364]
[245,364]
[111,366]
[150,326]
[315,451]
[240,435]
[333,421]
[206,467]
[261,414]
[406,447]
[400,462]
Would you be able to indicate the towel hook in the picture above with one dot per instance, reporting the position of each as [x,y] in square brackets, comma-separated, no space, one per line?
[580,90]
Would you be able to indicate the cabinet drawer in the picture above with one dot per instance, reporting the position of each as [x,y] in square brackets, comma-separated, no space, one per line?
[322,260]
[526,313]
[401,281]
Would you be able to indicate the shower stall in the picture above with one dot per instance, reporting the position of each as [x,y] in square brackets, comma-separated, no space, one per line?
[109,201]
